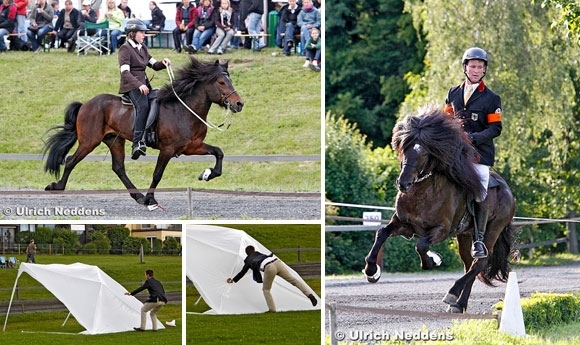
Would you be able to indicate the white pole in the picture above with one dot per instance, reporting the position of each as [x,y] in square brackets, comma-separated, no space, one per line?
[65,320]
[199,299]
[11,297]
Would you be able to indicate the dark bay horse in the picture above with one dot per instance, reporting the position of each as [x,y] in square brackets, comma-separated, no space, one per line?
[178,130]
[435,184]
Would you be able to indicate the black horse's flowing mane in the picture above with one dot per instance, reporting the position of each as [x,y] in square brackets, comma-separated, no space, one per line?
[449,150]
[194,72]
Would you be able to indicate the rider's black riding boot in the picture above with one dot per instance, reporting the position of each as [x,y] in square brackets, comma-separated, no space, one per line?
[139,146]
[478,249]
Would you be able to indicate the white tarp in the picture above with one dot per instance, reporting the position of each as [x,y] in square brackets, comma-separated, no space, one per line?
[215,253]
[95,300]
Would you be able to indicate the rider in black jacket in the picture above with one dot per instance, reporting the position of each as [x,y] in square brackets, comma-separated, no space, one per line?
[479,109]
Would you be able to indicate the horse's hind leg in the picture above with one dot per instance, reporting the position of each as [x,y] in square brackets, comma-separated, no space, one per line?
[117,147]
[458,295]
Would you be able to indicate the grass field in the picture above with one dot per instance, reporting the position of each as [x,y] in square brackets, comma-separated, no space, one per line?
[282,115]
[40,327]
[301,327]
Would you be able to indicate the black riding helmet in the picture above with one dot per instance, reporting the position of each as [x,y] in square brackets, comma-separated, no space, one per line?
[474,53]
[135,25]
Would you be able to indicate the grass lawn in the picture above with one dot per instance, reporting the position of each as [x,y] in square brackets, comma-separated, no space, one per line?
[38,328]
[297,327]
[282,116]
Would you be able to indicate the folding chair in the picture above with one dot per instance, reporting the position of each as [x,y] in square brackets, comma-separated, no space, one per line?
[12,262]
[97,42]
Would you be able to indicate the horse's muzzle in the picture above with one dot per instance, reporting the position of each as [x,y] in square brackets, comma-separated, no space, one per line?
[404,186]
[237,106]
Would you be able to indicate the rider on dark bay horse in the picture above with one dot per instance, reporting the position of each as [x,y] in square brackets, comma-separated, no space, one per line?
[134,58]
[479,109]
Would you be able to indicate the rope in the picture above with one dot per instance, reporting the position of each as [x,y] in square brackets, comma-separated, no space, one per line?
[207,123]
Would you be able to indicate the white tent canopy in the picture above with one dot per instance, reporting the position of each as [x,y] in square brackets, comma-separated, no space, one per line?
[215,253]
[95,300]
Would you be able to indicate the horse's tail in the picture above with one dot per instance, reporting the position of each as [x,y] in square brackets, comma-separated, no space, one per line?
[60,143]
[498,267]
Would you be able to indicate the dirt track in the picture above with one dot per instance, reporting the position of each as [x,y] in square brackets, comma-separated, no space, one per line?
[423,292]
[24,205]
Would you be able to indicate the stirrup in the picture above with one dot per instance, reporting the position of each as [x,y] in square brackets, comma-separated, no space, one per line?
[479,255]
[138,151]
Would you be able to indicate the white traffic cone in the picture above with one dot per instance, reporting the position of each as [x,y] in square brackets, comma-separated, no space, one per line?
[512,318]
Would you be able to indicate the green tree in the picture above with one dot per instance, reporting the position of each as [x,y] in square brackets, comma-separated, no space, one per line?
[132,245]
[100,243]
[170,246]
[66,240]
[351,176]
[370,46]
[42,236]
[567,17]
[117,236]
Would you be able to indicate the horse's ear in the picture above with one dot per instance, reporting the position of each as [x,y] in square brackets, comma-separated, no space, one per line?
[225,65]
[217,62]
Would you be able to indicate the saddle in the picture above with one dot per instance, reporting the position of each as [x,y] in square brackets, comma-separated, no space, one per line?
[150,134]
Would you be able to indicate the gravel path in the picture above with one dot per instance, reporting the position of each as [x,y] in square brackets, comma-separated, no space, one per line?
[423,292]
[36,205]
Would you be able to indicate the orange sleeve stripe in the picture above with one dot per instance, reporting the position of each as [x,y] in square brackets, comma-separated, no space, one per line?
[493,117]
[448,110]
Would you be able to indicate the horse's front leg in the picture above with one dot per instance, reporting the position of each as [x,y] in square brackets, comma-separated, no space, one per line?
[162,161]
[372,270]
[216,171]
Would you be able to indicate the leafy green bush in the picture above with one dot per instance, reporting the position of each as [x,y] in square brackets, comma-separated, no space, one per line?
[132,245]
[170,246]
[545,310]
[349,176]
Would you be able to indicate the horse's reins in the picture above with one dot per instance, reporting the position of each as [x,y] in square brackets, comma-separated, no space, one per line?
[228,117]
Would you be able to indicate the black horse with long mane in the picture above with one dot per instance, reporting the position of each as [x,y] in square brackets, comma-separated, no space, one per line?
[436,184]
[179,130]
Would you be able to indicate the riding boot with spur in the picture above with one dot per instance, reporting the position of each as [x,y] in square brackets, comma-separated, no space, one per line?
[478,249]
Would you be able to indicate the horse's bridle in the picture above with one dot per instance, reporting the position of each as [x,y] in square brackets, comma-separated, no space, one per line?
[223,97]
[417,178]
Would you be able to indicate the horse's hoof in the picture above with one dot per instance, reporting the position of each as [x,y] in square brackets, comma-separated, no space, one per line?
[205,175]
[455,309]
[450,299]
[140,200]
[52,186]
[375,277]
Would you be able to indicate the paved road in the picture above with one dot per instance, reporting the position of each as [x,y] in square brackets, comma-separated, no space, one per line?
[424,291]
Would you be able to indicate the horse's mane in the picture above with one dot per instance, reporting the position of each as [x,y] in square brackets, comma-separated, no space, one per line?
[194,72]
[450,151]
